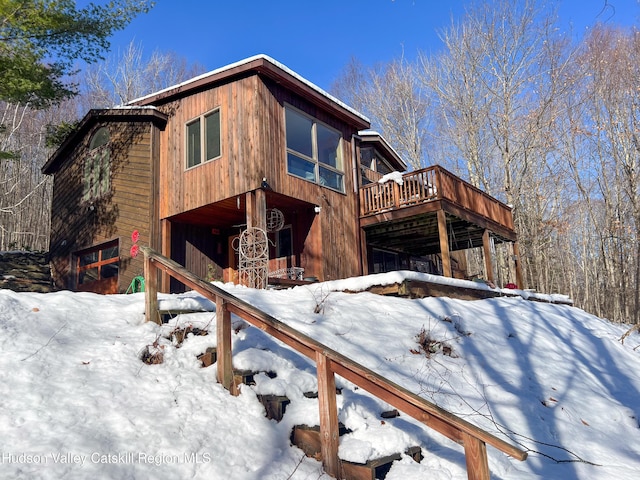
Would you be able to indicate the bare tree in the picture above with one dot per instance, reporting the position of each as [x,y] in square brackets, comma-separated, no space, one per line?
[393,96]
[25,194]
[129,74]
[462,105]
[603,157]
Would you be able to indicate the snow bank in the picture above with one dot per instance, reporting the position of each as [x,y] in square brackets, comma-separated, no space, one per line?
[78,402]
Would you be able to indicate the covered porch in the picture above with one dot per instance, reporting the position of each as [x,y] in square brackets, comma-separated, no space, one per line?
[207,240]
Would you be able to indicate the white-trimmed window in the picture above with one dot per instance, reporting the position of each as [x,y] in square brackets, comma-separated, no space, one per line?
[314,150]
[203,138]
[97,166]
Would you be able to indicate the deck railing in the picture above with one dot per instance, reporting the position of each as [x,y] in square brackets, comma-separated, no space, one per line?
[328,364]
[432,183]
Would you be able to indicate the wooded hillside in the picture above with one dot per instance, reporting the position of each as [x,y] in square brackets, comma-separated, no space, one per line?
[512,103]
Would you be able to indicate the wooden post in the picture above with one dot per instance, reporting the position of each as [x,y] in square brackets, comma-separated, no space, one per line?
[364,253]
[165,283]
[516,257]
[396,194]
[223,346]
[150,291]
[328,416]
[261,209]
[486,251]
[475,454]
[256,209]
[444,244]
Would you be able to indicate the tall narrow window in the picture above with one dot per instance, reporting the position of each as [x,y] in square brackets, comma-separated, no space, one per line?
[314,151]
[203,139]
[97,166]
[284,242]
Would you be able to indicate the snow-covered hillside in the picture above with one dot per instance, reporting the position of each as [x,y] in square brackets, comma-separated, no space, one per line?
[78,402]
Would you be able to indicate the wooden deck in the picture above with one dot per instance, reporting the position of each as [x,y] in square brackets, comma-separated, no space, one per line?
[432,183]
[404,216]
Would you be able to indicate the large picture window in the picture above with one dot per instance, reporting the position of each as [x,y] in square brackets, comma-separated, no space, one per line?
[203,139]
[97,167]
[313,150]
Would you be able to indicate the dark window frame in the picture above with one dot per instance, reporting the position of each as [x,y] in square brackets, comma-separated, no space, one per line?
[324,167]
[205,148]
[281,243]
[97,166]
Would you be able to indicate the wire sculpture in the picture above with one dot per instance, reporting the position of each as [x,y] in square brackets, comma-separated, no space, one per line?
[275,220]
[253,258]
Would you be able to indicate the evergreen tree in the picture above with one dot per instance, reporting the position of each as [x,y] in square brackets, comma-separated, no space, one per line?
[40,40]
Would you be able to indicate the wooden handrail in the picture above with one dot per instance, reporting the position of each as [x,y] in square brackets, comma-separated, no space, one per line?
[432,183]
[329,362]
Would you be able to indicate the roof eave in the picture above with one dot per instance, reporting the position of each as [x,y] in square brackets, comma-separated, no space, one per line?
[374,137]
[118,114]
[270,68]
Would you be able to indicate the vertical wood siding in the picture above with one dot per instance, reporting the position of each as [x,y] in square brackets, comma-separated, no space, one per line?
[253,147]
[77,224]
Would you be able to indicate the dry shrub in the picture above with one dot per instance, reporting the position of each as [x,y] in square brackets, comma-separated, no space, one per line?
[153,355]
[428,346]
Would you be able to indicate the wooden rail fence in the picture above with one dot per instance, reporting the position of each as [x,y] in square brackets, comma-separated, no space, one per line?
[328,364]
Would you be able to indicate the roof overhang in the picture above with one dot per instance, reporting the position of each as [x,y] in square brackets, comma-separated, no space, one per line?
[373,137]
[118,114]
[268,67]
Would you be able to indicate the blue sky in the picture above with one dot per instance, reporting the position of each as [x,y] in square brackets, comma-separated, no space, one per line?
[317,39]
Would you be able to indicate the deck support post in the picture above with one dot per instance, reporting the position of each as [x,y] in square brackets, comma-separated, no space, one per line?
[150,291]
[486,251]
[475,453]
[364,253]
[516,258]
[329,429]
[223,348]
[444,244]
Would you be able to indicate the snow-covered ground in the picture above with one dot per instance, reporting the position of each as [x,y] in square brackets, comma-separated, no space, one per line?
[78,402]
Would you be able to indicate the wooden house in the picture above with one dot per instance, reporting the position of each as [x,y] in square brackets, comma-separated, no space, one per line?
[252,161]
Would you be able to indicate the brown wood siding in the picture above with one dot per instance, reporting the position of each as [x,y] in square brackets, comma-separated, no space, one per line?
[238,169]
[77,224]
[131,187]
[253,146]
[338,211]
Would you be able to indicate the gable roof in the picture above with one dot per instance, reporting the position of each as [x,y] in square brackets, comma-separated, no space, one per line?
[117,114]
[373,137]
[267,66]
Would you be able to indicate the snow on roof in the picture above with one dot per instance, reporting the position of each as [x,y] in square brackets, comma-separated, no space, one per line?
[246,61]
[374,135]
